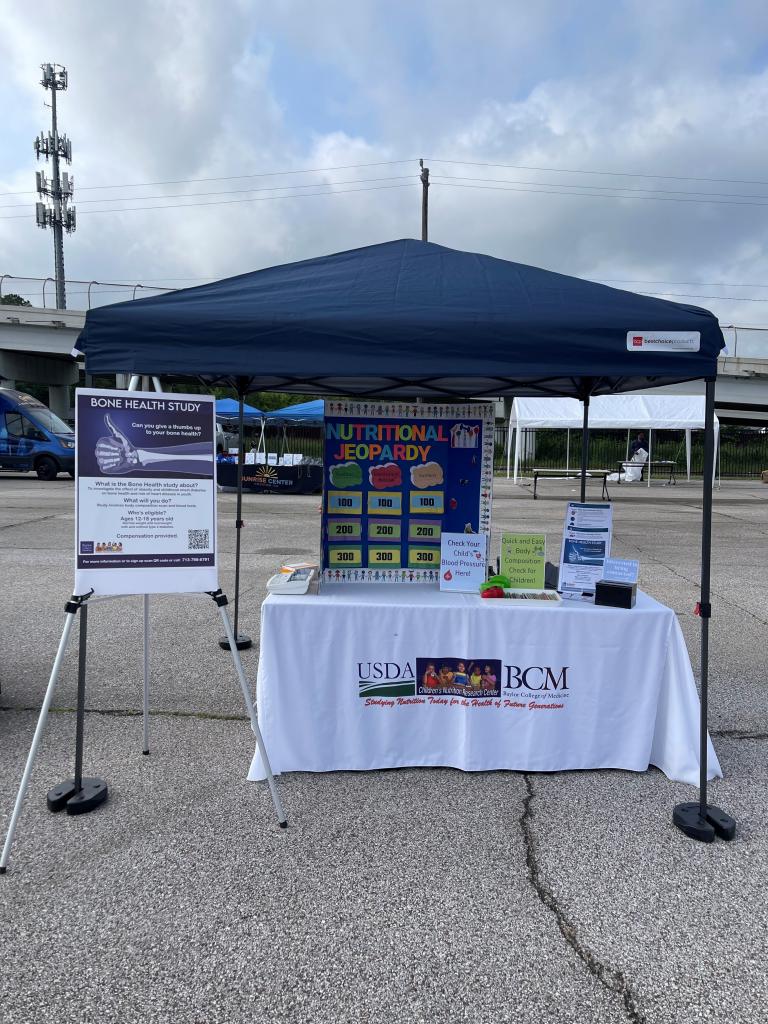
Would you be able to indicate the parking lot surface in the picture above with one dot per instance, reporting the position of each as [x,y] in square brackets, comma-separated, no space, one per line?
[406,895]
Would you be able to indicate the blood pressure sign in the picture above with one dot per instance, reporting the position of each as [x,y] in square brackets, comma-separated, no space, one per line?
[396,477]
[145,492]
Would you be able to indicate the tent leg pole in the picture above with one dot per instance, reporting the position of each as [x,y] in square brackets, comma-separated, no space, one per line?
[242,642]
[585,450]
[700,819]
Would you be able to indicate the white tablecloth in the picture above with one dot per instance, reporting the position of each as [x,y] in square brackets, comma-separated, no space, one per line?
[334,686]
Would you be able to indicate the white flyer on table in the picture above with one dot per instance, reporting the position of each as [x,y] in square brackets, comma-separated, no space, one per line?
[145,492]
[586,545]
[463,561]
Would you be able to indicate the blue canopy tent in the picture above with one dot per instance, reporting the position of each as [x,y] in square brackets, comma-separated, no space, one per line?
[229,409]
[399,320]
[302,412]
[408,319]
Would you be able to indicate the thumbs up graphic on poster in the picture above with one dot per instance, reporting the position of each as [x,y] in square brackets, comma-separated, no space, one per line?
[115,454]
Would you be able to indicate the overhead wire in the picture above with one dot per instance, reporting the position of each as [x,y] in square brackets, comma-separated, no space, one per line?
[226,202]
[687,295]
[697,284]
[589,195]
[614,174]
[229,192]
[610,188]
[228,177]
[329,190]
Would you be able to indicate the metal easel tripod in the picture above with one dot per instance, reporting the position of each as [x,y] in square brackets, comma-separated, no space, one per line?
[79,795]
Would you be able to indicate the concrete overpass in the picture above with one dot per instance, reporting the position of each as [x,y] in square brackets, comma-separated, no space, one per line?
[36,346]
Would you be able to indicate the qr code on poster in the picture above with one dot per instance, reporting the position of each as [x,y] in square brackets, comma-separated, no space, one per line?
[197,540]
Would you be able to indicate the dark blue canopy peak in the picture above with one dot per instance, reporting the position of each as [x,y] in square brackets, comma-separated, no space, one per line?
[405,319]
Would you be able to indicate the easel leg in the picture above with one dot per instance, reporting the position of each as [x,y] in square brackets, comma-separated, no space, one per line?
[221,603]
[32,756]
[79,795]
[146,675]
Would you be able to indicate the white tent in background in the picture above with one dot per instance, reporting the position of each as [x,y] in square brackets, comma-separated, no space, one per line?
[627,411]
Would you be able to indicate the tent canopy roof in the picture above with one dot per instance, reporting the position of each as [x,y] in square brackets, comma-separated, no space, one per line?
[653,412]
[229,409]
[302,412]
[403,319]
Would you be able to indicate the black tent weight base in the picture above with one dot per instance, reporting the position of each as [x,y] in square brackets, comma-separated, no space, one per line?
[714,822]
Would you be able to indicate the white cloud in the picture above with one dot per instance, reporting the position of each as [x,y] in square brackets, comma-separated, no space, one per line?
[160,91]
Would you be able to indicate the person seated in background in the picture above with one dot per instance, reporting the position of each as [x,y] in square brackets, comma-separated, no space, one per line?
[639,442]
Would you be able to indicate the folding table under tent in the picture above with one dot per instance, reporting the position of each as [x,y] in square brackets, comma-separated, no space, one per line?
[407,319]
[627,412]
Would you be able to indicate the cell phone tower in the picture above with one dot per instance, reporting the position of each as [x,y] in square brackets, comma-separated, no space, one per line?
[61,187]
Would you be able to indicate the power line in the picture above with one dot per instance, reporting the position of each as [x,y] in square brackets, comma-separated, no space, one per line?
[447,184]
[614,174]
[687,295]
[589,195]
[611,188]
[390,163]
[697,284]
[228,192]
[227,202]
[232,177]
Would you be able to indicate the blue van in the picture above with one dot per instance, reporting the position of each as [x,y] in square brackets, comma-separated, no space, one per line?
[33,437]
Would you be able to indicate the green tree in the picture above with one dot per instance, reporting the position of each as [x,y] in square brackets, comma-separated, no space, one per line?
[11,299]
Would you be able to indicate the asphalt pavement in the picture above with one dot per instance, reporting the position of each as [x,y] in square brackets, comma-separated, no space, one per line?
[405,895]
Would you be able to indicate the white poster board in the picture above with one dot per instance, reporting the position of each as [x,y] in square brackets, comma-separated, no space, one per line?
[586,545]
[145,488]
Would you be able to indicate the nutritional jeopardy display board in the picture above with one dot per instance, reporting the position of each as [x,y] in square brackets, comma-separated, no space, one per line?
[396,475]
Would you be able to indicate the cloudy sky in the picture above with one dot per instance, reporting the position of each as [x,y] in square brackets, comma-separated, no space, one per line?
[623,141]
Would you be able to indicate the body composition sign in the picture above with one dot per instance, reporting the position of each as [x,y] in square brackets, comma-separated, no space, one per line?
[396,476]
[145,491]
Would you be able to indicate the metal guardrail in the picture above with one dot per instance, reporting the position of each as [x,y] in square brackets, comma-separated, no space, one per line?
[115,286]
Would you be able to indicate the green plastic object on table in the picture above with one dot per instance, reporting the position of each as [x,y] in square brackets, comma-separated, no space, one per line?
[494,586]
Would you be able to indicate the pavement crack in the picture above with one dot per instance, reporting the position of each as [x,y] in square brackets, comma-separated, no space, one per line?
[739,734]
[28,522]
[611,979]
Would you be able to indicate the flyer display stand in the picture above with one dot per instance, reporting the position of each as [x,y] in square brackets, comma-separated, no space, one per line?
[80,795]
[145,522]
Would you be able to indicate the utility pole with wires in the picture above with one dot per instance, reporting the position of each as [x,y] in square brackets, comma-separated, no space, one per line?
[61,187]
[424,201]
